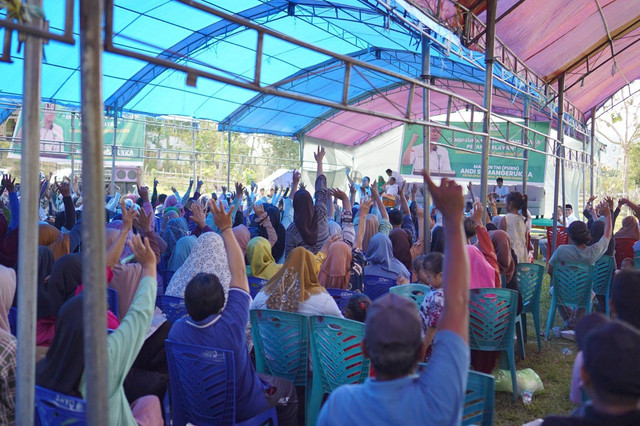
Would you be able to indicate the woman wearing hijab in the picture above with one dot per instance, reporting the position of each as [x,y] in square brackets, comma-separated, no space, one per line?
[625,238]
[277,249]
[381,260]
[401,243]
[8,244]
[260,260]
[45,264]
[62,370]
[51,237]
[295,288]
[8,347]
[502,247]
[243,236]
[173,231]
[181,252]
[371,227]
[335,271]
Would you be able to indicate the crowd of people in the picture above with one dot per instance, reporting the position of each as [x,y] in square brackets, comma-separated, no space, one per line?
[203,249]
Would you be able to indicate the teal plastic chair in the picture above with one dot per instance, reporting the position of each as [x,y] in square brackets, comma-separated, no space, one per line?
[414,292]
[336,357]
[503,281]
[479,400]
[602,277]
[572,283]
[636,261]
[281,342]
[492,318]
[529,278]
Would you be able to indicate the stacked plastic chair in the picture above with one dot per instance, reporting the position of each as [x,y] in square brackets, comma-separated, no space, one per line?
[414,292]
[602,277]
[479,400]
[255,285]
[112,300]
[572,283]
[341,296]
[492,316]
[172,307]
[54,409]
[562,239]
[375,286]
[529,277]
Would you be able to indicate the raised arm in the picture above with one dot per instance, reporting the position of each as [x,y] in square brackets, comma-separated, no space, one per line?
[365,206]
[69,208]
[235,257]
[187,194]
[403,200]
[115,250]
[448,199]
[378,201]
[295,175]
[14,204]
[406,157]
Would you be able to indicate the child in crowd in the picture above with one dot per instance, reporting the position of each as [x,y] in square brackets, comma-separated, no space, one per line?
[419,274]
[434,302]
[356,307]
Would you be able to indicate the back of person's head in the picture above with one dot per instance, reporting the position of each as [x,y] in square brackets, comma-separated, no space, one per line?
[518,201]
[356,307]
[203,296]
[395,217]
[625,296]
[579,233]
[162,198]
[433,262]
[393,336]
[469,227]
[418,262]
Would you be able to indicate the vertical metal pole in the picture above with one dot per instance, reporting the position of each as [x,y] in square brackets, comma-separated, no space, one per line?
[193,143]
[301,152]
[558,148]
[93,229]
[525,142]
[73,145]
[488,92]
[114,152]
[592,182]
[426,137]
[28,237]
[229,159]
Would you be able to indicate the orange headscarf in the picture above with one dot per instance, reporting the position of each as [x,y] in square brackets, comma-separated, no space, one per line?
[51,237]
[336,269]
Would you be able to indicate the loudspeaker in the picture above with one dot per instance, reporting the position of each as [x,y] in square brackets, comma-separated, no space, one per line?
[126,174]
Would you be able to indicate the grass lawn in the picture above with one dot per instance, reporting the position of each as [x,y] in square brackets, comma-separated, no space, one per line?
[553,368]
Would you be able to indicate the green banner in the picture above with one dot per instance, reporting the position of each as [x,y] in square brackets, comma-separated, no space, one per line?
[445,161]
[59,130]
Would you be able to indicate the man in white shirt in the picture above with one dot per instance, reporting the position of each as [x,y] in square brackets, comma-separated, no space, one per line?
[568,212]
[439,161]
[397,176]
[391,187]
[500,190]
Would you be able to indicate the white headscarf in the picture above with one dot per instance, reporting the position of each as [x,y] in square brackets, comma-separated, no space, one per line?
[208,255]
[7,291]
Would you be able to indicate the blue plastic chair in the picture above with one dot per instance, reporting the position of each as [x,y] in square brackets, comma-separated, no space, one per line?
[375,286]
[255,285]
[572,283]
[479,400]
[529,278]
[414,292]
[492,317]
[336,357]
[203,388]
[13,321]
[602,277]
[112,300]
[281,343]
[341,296]
[54,409]
[172,307]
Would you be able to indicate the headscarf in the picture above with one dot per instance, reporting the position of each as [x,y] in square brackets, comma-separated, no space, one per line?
[238,219]
[371,227]
[51,237]
[172,201]
[45,265]
[277,250]
[482,274]
[181,252]
[62,367]
[304,217]
[629,229]
[125,280]
[597,231]
[335,271]
[294,283]
[502,245]
[381,260]
[243,235]
[209,256]
[261,261]
[334,227]
[65,277]
[7,292]
[173,231]
[401,243]
[117,225]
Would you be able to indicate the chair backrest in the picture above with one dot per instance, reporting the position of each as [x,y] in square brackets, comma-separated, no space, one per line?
[563,238]
[54,408]
[255,285]
[503,281]
[281,342]
[336,353]
[636,262]
[529,277]
[375,286]
[492,315]
[13,321]
[624,249]
[603,274]
[414,292]
[112,300]
[572,283]
[172,307]
[202,383]
[479,400]
[341,296]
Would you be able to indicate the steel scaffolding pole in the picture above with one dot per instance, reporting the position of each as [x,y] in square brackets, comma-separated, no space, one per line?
[195,155]
[426,137]
[28,232]
[488,91]
[525,142]
[229,159]
[93,231]
[72,148]
[558,149]
[592,187]
[114,152]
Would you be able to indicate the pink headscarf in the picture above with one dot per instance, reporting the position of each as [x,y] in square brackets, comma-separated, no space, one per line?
[336,268]
[482,273]
[243,236]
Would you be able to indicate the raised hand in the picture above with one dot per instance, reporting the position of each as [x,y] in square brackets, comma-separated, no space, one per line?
[401,189]
[224,190]
[365,208]
[143,222]
[143,252]
[374,191]
[155,182]
[239,189]
[197,214]
[200,183]
[295,176]
[352,188]
[302,187]
[338,194]
[605,207]
[127,216]
[191,182]
[414,190]
[9,183]
[447,197]
[319,155]
[478,211]
[65,189]
[143,191]
[259,209]
[221,218]
[173,189]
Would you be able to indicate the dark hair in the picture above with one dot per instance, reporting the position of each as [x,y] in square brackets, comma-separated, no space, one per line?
[568,206]
[499,180]
[356,307]
[433,262]
[579,233]
[625,295]
[468,205]
[203,296]
[389,171]
[418,263]
[162,198]
[518,201]
[367,178]
[396,360]
[491,227]
[469,227]
[395,217]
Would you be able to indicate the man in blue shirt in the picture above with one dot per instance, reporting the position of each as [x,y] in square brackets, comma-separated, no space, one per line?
[208,325]
[393,342]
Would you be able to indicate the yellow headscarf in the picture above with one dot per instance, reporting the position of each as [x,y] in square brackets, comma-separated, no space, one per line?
[261,261]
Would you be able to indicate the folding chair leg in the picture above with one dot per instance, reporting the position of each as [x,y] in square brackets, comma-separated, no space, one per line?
[523,320]
[512,368]
[519,336]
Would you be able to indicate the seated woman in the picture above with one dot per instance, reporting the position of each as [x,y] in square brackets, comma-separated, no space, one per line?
[261,263]
[335,271]
[381,260]
[8,347]
[62,370]
[295,288]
